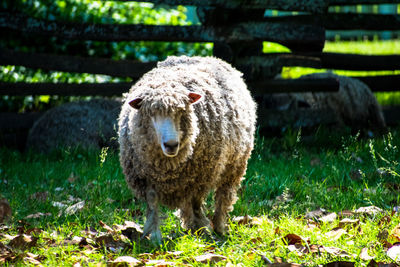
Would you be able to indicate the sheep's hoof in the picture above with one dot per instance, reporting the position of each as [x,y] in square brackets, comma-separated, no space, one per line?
[155,237]
[220,229]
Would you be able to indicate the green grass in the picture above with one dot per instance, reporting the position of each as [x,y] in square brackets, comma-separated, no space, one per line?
[330,171]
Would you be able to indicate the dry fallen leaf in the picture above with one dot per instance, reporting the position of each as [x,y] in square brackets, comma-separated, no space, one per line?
[75,208]
[335,233]
[160,263]
[396,232]
[23,242]
[315,214]
[209,258]
[5,210]
[243,220]
[394,253]
[283,264]
[299,249]
[370,210]
[340,264]
[105,226]
[292,239]
[124,261]
[37,215]
[111,243]
[373,263]
[348,222]
[331,217]
[131,230]
[364,255]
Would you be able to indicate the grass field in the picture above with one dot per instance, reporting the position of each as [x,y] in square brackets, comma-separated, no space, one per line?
[64,206]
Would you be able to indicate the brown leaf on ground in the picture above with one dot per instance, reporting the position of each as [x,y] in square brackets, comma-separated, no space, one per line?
[394,253]
[340,264]
[284,264]
[383,235]
[330,250]
[111,243]
[370,210]
[5,253]
[33,231]
[336,233]
[75,208]
[348,222]
[37,215]
[292,239]
[209,258]
[385,220]
[34,259]
[160,263]
[315,214]
[243,220]
[373,263]
[106,227]
[131,230]
[364,255]
[331,217]
[90,232]
[124,261]
[299,249]
[396,232]
[5,210]
[23,242]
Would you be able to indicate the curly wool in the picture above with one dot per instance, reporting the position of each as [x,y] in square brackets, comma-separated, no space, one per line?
[354,104]
[217,134]
[86,124]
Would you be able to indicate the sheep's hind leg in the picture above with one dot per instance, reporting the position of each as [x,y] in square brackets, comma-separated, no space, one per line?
[226,195]
[192,215]
[200,221]
[152,225]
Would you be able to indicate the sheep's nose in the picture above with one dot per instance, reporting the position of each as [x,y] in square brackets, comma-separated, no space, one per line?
[171,145]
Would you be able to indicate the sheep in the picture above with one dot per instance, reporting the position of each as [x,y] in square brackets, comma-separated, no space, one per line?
[86,124]
[186,128]
[354,106]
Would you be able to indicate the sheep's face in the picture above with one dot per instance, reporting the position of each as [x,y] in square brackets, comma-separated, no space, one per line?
[167,125]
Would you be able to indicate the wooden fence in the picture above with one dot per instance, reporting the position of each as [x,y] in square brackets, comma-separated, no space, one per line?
[236,27]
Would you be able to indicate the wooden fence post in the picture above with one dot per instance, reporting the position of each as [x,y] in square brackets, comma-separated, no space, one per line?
[232,51]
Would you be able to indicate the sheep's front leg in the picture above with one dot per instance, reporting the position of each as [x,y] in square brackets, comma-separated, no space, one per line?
[152,226]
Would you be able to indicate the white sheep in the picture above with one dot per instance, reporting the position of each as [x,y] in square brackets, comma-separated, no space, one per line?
[186,128]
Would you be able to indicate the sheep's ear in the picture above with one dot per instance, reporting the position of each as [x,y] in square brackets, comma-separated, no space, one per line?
[135,103]
[194,97]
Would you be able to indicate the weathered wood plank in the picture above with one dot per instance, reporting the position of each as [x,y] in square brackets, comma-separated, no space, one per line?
[383,83]
[344,21]
[313,6]
[294,86]
[119,68]
[359,62]
[361,2]
[376,84]
[64,89]
[308,37]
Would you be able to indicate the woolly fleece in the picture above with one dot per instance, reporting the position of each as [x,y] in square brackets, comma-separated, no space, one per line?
[217,136]
[86,124]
